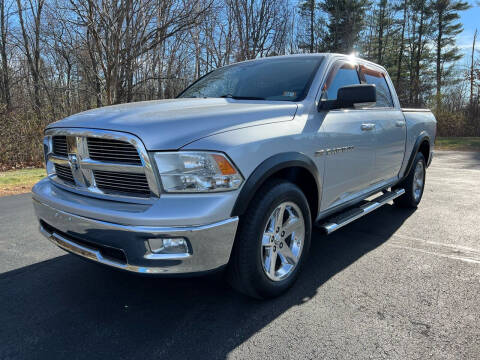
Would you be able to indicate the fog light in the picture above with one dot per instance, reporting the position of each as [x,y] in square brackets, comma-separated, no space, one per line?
[169,246]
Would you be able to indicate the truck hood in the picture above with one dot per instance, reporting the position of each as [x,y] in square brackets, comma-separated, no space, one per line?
[171,124]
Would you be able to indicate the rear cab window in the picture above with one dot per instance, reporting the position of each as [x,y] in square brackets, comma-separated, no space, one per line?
[377,78]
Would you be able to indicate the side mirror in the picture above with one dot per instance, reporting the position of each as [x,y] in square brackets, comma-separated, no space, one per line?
[352,96]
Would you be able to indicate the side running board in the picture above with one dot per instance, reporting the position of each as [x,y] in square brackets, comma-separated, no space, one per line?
[345,218]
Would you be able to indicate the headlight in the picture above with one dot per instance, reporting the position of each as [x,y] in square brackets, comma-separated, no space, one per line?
[47,149]
[188,171]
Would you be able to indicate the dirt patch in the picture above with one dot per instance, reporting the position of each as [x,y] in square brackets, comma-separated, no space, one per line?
[15,189]
[19,181]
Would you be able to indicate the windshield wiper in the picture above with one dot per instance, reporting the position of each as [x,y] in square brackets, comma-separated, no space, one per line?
[230,96]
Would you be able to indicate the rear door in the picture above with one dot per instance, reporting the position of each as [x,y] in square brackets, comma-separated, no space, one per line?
[346,141]
[390,126]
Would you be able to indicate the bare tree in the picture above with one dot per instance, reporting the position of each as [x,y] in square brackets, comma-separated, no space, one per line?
[31,43]
[472,68]
[58,57]
[256,22]
[124,31]
[4,31]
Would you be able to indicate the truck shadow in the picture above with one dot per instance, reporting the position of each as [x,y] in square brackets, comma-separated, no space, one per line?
[68,307]
[459,159]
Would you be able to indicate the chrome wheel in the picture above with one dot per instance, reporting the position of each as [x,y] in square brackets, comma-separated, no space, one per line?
[282,241]
[418,180]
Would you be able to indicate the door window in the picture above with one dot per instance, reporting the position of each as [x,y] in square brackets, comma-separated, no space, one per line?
[384,98]
[341,76]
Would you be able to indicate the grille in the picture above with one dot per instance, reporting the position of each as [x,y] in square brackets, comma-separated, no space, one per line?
[101,162]
[64,173]
[109,150]
[122,182]
[60,145]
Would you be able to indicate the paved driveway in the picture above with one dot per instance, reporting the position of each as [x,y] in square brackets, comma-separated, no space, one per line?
[396,284]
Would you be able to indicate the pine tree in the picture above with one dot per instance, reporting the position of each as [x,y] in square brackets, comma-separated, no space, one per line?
[380,39]
[345,22]
[447,28]
[382,23]
[419,53]
[307,10]
[404,8]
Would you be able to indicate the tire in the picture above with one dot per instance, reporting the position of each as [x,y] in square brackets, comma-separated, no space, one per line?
[260,242]
[414,184]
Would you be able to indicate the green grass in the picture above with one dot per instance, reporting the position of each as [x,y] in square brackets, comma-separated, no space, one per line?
[458,143]
[19,181]
[20,177]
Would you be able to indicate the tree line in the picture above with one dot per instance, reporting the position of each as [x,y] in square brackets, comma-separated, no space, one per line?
[60,57]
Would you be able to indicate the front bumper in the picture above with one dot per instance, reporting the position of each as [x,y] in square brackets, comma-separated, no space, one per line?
[430,158]
[126,246]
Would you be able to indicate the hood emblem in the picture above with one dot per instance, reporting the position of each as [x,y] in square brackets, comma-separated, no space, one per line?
[73,160]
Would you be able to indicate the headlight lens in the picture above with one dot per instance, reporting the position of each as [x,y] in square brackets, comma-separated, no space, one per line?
[188,171]
[47,149]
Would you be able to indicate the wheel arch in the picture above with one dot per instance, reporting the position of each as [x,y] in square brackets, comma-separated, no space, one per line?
[292,166]
[422,144]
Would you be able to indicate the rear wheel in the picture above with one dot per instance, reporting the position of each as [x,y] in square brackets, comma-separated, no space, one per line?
[272,241]
[413,184]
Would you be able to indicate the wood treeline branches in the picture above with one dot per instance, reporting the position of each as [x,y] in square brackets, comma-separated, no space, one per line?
[59,57]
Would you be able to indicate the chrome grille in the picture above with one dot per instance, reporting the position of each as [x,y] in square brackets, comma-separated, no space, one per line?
[122,182]
[109,150]
[64,172]
[60,145]
[100,162]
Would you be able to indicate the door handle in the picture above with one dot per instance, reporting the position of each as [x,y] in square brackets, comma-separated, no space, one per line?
[400,123]
[367,127]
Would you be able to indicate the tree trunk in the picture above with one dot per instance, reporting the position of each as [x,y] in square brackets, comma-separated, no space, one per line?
[472,70]
[439,56]
[419,56]
[381,18]
[93,60]
[33,62]
[3,51]
[402,44]
[312,24]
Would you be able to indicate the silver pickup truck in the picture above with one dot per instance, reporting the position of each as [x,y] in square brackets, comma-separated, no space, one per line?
[233,173]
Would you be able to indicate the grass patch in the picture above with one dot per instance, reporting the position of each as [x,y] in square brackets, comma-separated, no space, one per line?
[19,181]
[458,143]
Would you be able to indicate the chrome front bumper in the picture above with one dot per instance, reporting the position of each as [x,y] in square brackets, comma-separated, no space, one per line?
[126,247]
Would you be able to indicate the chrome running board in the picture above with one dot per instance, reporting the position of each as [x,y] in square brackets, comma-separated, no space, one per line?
[345,218]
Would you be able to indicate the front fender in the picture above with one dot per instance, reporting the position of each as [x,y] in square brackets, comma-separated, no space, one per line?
[266,170]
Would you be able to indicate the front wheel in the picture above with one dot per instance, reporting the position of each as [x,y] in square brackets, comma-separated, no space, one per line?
[413,184]
[272,241]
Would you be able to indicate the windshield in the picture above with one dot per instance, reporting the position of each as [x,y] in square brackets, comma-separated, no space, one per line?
[284,79]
